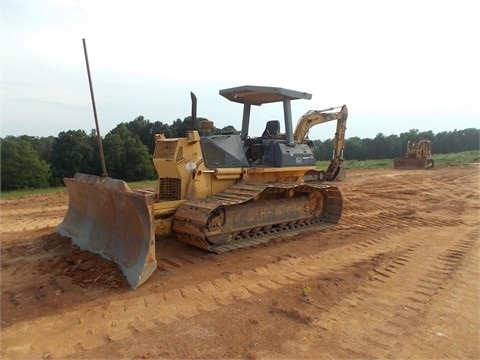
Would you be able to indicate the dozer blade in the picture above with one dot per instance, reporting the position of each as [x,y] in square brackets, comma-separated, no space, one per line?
[106,217]
[408,164]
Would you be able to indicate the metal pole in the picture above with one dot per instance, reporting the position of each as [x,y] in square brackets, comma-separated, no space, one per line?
[287,114]
[99,138]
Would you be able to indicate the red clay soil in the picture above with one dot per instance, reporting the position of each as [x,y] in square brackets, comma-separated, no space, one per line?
[398,277]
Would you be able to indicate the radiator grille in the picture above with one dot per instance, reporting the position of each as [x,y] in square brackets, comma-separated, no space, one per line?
[170,189]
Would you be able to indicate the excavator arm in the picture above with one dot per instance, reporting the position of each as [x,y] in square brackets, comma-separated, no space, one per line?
[339,141]
[315,117]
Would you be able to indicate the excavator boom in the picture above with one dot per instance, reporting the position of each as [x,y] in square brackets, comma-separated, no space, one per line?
[316,117]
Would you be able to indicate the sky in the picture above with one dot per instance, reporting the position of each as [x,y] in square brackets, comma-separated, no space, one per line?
[397,65]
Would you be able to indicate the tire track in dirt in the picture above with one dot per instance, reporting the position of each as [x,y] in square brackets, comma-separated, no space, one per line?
[383,318]
[118,320]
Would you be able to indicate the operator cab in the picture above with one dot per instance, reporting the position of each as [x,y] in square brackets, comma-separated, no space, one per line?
[273,148]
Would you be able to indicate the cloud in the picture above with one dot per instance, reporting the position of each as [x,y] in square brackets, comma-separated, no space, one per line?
[397,65]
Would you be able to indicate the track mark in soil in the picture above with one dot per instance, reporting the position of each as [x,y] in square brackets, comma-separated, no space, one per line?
[291,314]
[406,304]
[329,290]
[172,306]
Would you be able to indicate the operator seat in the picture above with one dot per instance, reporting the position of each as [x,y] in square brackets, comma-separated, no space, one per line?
[272,129]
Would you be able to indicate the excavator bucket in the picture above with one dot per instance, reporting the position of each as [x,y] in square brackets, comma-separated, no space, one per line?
[106,217]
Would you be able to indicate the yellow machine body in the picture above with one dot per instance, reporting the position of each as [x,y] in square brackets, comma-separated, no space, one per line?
[417,156]
[217,192]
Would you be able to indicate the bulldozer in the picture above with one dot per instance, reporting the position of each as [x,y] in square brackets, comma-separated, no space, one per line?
[218,192]
[418,156]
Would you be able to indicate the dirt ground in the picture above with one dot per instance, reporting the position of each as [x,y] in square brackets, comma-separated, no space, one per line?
[398,277]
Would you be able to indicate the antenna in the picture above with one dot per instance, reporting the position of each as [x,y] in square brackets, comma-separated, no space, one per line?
[99,138]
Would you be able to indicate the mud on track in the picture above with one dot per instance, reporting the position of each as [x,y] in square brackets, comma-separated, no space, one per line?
[398,277]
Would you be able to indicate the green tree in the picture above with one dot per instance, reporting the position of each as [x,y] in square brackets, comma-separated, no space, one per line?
[142,128]
[380,146]
[73,151]
[396,148]
[43,145]
[146,131]
[229,129]
[160,128]
[126,157]
[353,148]
[21,166]
[179,128]
[471,139]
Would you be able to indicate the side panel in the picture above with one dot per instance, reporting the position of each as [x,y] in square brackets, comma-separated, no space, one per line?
[298,155]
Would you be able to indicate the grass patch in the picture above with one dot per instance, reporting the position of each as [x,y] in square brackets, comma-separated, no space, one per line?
[15,194]
[369,164]
[323,164]
[143,184]
[461,158]
[360,164]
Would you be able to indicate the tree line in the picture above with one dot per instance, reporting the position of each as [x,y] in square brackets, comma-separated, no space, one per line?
[36,162]
[393,146]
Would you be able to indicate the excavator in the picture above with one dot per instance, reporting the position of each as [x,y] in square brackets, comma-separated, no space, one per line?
[216,192]
[335,171]
[417,156]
